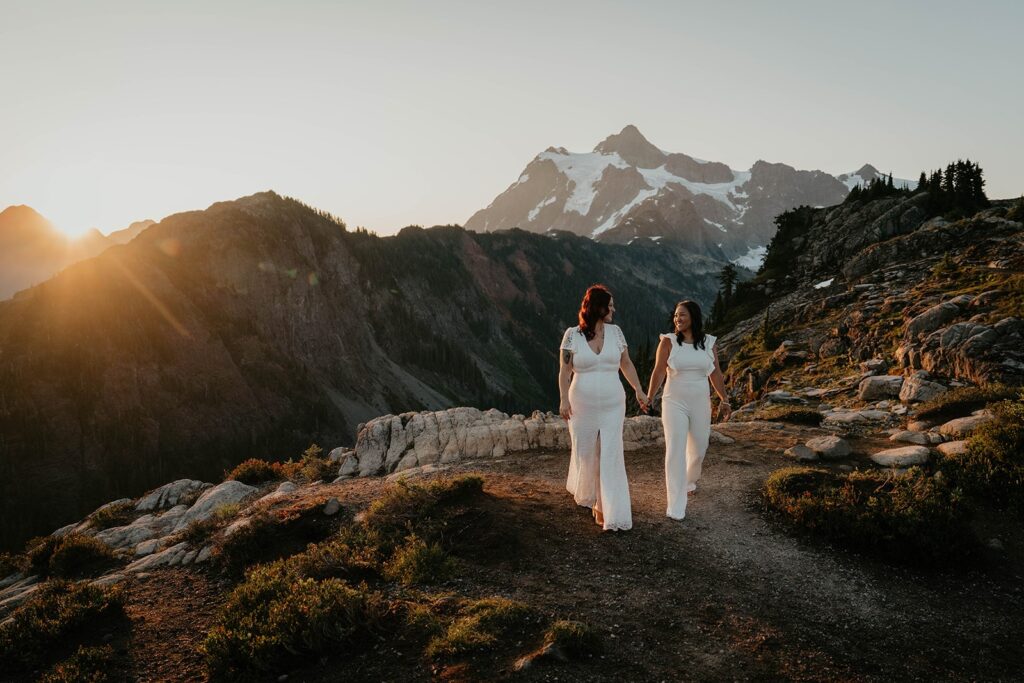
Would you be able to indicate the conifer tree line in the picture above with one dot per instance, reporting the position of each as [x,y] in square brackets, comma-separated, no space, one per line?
[957,191]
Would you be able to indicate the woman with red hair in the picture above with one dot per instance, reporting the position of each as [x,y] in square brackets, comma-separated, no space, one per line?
[594,404]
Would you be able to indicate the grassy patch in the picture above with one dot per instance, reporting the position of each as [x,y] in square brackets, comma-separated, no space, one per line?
[575,639]
[87,665]
[113,515]
[48,619]
[480,626]
[272,534]
[431,511]
[964,400]
[276,617]
[908,517]
[992,468]
[416,562]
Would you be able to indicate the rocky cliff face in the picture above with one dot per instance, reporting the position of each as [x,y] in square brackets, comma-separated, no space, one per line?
[627,189]
[930,299]
[258,326]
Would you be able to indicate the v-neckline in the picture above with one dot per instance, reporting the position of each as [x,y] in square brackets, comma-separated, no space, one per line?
[596,353]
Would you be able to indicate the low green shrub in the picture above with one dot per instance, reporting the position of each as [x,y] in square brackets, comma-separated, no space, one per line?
[314,466]
[87,665]
[963,400]
[276,617]
[79,556]
[50,617]
[270,535]
[992,467]
[69,556]
[429,510]
[346,557]
[112,516]
[255,472]
[909,517]
[480,626]
[416,562]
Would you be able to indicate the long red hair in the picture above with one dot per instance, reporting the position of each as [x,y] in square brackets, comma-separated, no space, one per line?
[594,307]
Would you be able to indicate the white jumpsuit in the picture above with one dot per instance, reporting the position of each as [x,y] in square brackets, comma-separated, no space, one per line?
[597,470]
[686,416]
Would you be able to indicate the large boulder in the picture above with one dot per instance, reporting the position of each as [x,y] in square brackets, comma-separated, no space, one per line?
[978,352]
[902,457]
[226,493]
[829,447]
[962,427]
[880,386]
[917,389]
[170,495]
[932,319]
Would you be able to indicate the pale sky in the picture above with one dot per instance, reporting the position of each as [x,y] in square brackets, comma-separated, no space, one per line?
[396,113]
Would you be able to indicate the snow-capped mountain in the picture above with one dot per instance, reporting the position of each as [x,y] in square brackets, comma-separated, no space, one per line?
[627,188]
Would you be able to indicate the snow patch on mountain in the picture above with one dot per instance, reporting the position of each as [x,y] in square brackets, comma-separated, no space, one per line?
[752,259]
[584,170]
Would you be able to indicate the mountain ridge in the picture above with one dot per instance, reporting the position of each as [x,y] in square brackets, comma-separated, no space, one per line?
[599,194]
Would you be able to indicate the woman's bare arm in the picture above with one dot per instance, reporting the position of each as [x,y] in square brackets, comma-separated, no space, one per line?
[564,379]
[660,367]
[718,383]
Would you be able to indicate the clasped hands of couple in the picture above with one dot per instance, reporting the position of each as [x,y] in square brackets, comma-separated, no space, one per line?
[644,401]
[722,415]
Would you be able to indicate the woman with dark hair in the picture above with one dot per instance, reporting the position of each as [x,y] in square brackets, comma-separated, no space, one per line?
[689,359]
[594,404]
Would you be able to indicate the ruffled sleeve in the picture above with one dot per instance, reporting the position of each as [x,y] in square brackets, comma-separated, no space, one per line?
[709,346]
[620,339]
[569,340]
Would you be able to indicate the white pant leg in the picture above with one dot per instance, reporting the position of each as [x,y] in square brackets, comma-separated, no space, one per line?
[676,422]
[698,436]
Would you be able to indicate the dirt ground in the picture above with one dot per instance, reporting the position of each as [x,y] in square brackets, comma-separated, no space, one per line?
[725,594]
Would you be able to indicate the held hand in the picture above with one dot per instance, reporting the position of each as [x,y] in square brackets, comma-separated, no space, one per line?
[564,409]
[642,401]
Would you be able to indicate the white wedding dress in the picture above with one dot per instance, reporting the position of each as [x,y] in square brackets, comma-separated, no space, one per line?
[686,417]
[597,470]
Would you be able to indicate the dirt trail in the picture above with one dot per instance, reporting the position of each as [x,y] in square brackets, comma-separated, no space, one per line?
[726,595]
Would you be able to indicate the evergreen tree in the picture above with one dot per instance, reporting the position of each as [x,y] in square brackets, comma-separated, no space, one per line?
[727,279]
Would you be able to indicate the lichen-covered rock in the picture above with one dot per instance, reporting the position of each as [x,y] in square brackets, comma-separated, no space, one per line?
[905,456]
[225,493]
[170,495]
[829,447]
[880,386]
[917,389]
[963,426]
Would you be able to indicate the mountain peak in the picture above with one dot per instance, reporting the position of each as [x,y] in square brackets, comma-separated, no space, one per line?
[867,171]
[633,147]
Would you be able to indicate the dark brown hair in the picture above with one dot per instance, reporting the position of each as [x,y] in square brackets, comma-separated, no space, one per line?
[594,307]
[696,323]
